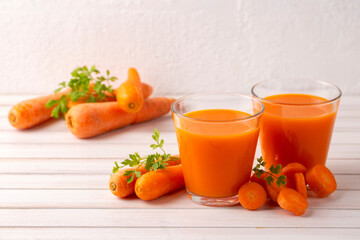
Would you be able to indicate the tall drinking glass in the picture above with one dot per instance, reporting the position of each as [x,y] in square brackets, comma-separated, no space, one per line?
[217,134]
[298,120]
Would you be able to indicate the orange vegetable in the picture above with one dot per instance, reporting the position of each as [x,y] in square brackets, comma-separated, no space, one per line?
[259,180]
[32,112]
[118,185]
[155,184]
[92,119]
[292,201]
[321,180]
[273,191]
[293,168]
[290,170]
[252,196]
[129,95]
[145,88]
[300,184]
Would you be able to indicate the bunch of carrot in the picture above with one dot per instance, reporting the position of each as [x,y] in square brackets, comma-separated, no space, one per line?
[86,120]
[293,196]
[150,185]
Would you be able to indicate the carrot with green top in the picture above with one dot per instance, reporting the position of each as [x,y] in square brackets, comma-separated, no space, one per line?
[32,112]
[119,183]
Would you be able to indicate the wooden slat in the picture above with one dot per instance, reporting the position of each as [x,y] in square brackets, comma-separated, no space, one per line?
[90,150]
[104,166]
[100,181]
[25,198]
[59,125]
[207,217]
[125,135]
[115,150]
[158,233]
[11,99]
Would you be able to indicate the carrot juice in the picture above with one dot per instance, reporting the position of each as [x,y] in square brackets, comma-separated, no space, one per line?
[217,134]
[216,161]
[296,128]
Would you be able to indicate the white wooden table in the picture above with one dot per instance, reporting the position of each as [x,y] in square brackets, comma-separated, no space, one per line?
[55,186]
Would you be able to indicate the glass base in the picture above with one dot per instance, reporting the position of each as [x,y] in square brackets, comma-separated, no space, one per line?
[213,201]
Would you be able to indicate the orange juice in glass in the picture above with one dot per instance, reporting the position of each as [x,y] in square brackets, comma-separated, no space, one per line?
[217,134]
[298,120]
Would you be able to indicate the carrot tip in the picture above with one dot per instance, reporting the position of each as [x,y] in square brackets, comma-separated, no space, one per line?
[131,105]
[12,118]
[113,186]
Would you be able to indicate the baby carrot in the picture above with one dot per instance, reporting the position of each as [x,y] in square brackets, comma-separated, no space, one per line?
[157,183]
[32,112]
[321,180]
[292,201]
[129,95]
[121,188]
[92,119]
[300,184]
[252,196]
[118,184]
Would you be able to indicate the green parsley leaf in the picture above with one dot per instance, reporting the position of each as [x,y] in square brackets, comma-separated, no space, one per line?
[80,81]
[152,162]
[272,175]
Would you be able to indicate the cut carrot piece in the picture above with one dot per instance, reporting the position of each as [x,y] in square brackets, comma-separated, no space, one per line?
[292,201]
[293,168]
[260,180]
[252,196]
[300,184]
[289,171]
[321,180]
[273,191]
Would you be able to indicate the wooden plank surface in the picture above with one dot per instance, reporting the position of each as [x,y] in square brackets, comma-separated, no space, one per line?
[54,186]
[192,233]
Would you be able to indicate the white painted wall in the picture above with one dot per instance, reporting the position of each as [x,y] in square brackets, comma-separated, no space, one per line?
[180,46]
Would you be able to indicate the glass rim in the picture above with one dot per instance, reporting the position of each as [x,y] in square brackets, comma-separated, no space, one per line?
[299,104]
[217,93]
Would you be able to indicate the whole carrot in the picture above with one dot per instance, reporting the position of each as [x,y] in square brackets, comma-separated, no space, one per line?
[121,188]
[32,112]
[92,119]
[146,90]
[129,95]
[155,184]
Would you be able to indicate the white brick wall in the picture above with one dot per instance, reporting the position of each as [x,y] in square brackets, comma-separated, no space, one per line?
[180,46]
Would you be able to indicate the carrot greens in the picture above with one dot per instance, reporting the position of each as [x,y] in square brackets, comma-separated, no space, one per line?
[274,170]
[86,84]
[151,162]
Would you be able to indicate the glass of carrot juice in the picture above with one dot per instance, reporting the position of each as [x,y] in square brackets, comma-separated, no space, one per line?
[217,134]
[298,120]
